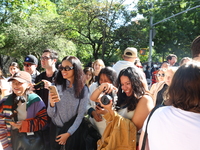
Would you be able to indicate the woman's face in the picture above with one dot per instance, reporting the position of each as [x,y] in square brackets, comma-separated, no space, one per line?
[88,75]
[13,70]
[19,88]
[160,75]
[168,77]
[69,75]
[97,67]
[126,85]
[104,79]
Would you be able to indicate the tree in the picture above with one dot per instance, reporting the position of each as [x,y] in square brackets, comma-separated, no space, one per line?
[174,35]
[91,26]
[31,37]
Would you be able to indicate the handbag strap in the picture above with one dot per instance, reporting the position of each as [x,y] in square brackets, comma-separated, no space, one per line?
[145,134]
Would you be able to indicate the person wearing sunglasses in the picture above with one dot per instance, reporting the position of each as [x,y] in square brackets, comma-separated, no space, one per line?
[30,66]
[70,84]
[159,89]
[48,62]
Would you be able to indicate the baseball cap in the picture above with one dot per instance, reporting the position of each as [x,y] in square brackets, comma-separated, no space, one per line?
[31,59]
[130,52]
[21,76]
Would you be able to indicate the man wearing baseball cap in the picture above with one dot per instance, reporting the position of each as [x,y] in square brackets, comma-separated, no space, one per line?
[130,55]
[30,66]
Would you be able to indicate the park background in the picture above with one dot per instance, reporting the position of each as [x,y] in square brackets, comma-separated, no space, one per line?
[91,29]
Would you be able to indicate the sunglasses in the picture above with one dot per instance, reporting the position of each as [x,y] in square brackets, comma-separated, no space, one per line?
[45,58]
[160,75]
[67,68]
[27,65]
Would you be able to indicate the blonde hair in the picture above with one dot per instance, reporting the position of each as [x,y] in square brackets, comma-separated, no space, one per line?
[100,61]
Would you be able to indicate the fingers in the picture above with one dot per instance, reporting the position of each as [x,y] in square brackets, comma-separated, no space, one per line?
[46,84]
[53,98]
[96,116]
[60,139]
[108,88]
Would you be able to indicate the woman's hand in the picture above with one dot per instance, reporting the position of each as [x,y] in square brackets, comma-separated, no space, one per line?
[101,110]
[107,87]
[62,138]
[46,84]
[103,88]
[53,98]
[96,116]
[17,125]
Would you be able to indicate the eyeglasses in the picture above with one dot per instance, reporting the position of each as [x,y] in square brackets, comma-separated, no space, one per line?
[45,58]
[67,68]
[160,75]
[27,65]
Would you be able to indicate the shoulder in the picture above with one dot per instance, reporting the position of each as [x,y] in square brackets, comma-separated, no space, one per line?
[146,100]
[34,98]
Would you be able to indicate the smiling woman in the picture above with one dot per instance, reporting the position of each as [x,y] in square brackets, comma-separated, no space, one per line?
[70,83]
[23,112]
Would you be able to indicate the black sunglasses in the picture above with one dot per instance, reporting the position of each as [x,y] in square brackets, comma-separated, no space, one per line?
[27,65]
[66,68]
[160,75]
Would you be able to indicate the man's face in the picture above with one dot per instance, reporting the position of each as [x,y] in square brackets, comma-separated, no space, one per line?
[172,61]
[30,68]
[46,60]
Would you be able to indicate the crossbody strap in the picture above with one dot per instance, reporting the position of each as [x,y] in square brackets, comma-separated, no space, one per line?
[145,134]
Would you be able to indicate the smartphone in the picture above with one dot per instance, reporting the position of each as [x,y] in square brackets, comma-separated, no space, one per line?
[53,89]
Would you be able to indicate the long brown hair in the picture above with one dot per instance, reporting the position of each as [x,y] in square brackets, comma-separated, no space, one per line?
[184,91]
[79,79]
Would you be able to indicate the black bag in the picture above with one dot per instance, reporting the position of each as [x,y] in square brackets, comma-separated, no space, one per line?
[84,138]
[22,141]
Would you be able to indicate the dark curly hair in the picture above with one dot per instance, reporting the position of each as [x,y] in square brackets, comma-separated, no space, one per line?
[110,73]
[184,91]
[79,79]
[138,89]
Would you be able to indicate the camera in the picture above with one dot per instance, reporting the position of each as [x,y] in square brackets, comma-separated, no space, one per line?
[39,85]
[105,99]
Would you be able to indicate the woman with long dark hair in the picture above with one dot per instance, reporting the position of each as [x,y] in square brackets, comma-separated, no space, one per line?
[106,75]
[134,102]
[73,95]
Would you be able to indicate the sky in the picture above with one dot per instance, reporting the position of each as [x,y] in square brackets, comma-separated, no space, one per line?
[133,2]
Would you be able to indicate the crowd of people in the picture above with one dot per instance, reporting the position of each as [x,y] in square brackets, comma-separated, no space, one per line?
[116,100]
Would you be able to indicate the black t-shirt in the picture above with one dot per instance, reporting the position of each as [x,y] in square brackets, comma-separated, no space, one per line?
[159,98]
[44,93]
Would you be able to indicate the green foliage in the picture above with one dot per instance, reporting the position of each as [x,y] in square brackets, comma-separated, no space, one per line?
[176,34]
[31,37]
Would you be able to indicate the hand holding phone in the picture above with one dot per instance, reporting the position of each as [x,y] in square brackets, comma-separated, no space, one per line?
[54,96]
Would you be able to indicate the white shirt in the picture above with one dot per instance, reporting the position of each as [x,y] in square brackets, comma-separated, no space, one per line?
[171,128]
